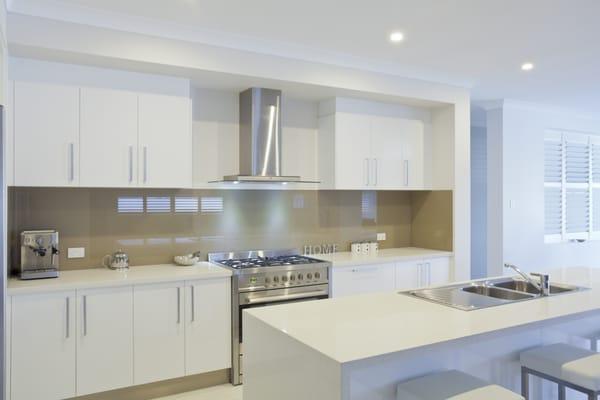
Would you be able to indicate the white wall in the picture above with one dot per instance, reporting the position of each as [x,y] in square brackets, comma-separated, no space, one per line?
[26,69]
[516,133]
[478,202]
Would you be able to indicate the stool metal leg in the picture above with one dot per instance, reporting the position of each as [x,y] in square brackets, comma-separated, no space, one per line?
[524,383]
[562,392]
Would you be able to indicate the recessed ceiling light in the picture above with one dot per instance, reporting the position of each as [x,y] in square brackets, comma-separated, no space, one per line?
[396,37]
[527,66]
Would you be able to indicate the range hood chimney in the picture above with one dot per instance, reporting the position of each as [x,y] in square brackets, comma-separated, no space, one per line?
[260,138]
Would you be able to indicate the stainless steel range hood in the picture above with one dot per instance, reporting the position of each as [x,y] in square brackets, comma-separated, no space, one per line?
[260,138]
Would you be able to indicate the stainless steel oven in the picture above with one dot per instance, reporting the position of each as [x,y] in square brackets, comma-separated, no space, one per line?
[264,278]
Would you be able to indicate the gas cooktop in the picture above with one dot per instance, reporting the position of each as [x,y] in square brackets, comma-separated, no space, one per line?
[257,262]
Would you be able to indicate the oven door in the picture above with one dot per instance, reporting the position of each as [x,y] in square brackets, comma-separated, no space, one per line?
[270,297]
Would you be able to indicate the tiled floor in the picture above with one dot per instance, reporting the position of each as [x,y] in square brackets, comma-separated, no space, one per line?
[221,392]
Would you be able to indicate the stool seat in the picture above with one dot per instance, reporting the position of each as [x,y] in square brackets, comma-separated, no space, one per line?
[452,385]
[565,362]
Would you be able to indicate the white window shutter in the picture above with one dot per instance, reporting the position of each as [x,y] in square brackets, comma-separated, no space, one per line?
[553,155]
[553,212]
[577,159]
[578,213]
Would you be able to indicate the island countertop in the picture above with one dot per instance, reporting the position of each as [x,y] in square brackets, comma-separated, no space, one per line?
[104,277]
[359,327]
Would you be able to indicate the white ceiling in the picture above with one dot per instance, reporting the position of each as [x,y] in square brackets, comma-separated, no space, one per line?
[475,43]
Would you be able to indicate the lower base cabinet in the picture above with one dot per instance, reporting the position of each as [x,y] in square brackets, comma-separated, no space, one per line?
[159,332]
[75,343]
[104,339]
[362,279]
[43,346]
[208,326]
[346,281]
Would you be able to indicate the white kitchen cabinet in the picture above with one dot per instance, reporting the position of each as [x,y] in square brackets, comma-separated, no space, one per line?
[10,134]
[165,141]
[43,343]
[347,281]
[409,275]
[371,152]
[46,128]
[104,339]
[438,270]
[208,325]
[109,138]
[352,151]
[422,273]
[159,332]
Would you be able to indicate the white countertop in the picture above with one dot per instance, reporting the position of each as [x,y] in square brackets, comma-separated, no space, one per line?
[358,327]
[104,277]
[344,259]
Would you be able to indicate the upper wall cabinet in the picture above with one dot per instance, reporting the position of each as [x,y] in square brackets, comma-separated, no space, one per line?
[46,135]
[359,151]
[109,138]
[70,136]
[165,141]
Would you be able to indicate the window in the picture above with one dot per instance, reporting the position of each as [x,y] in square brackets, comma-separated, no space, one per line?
[571,186]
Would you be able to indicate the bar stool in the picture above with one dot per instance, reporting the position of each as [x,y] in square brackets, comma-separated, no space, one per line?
[568,366]
[452,385]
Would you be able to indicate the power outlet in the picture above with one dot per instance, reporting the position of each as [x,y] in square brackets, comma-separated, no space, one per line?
[76,252]
[381,236]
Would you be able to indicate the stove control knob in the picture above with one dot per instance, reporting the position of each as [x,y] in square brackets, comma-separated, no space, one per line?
[267,280]
[284,278]
[275,279]
[317,275]
[309,276]
[300,277]
[292,278]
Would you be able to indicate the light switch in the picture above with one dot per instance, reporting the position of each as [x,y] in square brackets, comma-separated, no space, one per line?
[76,252]
[381,236]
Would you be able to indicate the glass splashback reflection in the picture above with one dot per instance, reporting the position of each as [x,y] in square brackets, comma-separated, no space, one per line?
[153,225]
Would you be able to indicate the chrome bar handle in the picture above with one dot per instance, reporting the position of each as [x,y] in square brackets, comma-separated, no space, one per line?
[193,303]
[145,164]
[366,171]
[405,172]
[130,164]
[71,162]
[178,304]
[68,312]
[84,315]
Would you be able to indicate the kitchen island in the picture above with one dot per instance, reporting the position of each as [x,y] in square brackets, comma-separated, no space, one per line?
[360,347]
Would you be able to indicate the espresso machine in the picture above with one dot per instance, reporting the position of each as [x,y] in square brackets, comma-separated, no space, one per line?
[39,254]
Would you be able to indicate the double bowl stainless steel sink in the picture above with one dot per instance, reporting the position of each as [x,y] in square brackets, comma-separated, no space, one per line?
[488,293]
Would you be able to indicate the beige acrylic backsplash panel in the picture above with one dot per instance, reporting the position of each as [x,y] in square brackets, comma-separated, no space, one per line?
[164,223]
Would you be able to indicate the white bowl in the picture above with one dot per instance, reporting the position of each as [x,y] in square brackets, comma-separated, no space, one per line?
[185,260]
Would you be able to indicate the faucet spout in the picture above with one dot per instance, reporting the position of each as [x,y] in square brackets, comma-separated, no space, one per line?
[543,284]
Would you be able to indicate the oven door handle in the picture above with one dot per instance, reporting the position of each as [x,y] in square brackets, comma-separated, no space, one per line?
[284,297]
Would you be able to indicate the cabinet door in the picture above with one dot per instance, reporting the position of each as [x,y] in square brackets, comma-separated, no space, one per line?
[413,153]
[10,134]
[165,141]
[43,346]
[387,141]
[104,339]
[109,141]
[439,270]
[208,326]
[362,279]
[409,275]
[158,327]
[352,151]
[46,125]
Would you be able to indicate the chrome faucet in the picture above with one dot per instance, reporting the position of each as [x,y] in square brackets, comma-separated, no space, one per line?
[542,284]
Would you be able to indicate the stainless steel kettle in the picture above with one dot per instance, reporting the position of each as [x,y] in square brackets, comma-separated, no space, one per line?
[119,260]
